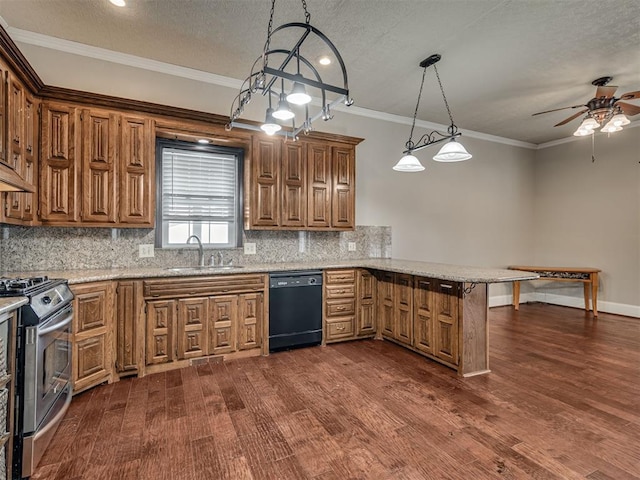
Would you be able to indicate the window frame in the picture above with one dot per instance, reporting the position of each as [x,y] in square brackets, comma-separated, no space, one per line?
[238,152]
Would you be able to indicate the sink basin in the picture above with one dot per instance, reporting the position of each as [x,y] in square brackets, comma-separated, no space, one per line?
[206,268]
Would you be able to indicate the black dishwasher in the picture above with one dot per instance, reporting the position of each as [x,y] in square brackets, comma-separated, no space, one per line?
[295,309]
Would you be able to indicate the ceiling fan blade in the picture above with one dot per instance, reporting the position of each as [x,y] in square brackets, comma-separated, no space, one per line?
[628,109]
[556,109]
[630,95]
[606,92]
[567,120]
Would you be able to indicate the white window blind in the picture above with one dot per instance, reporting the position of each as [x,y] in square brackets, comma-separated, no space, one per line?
[200,196]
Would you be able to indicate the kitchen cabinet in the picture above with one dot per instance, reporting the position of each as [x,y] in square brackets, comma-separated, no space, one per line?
[93,324]
[386,303]
[339,305]
[403,308]
[366,307]
[424,292]
[97,167]
[445,324]
[194,317]
[129,305]
[21,150]
[8,324]
[304,185]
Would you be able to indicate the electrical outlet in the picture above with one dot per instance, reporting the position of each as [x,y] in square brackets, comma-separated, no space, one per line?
[146,250]
[352,246]
[249,248]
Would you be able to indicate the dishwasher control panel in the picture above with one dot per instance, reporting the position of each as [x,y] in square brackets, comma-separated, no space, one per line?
[295,279]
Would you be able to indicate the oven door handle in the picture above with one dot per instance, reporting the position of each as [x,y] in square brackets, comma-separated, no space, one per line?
[57,326]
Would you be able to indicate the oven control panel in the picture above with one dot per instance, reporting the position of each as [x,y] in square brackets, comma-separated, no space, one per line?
[47,302]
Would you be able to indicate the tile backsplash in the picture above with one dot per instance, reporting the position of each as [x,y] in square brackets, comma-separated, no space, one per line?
[56,248]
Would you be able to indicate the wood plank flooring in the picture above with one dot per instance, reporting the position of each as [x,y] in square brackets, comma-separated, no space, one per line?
[562,402]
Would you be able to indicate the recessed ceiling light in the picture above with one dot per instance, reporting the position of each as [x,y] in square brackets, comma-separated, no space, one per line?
[203,140]
[118,3]
[324,60]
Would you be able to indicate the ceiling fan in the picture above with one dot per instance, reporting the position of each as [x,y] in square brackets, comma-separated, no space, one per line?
[603,107]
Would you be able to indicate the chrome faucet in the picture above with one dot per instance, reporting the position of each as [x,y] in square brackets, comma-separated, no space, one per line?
[216,260]
[200,250]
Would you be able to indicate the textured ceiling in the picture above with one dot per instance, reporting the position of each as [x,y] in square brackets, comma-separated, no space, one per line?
[501,60]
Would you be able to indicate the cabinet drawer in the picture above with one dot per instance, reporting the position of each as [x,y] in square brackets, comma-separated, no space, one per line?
[341,276]
[341,307]
[189,286]
[341,291]
[340,328]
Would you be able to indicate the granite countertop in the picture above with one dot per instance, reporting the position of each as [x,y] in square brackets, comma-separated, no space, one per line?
[8,304]
[456,273]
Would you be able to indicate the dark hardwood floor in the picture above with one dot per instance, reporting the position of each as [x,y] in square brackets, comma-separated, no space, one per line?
[562,402]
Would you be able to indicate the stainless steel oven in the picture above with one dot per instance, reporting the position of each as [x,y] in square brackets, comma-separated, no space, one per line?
[43,367]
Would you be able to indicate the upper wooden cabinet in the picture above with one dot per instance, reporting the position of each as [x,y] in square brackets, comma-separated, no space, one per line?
[19,146]
[97,167]
[304,185]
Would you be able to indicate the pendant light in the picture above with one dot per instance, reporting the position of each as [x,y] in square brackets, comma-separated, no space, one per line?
[452,151]
[273,73]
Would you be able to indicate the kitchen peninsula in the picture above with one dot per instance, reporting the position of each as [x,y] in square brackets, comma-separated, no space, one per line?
[437,310]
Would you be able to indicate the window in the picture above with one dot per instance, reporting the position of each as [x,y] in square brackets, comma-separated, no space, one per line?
[199,193]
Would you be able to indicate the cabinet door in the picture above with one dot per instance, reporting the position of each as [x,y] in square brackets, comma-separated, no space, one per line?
[423,315]
[385,303]
[58,169]
[4,157]
[403,308]
[15,135]
[265,164]
[192,327]
[92,334]
[343,194]
[366,303]
[294,186]
[99,143]
[128,306]
[250,321]
[319,186]
[31,124]
[160,331]
[223,315]
[136,171]
[446,321]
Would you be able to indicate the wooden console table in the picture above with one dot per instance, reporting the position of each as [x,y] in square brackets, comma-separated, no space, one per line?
[588,276]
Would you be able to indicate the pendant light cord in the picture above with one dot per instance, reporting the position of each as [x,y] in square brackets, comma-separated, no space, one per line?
[446,104]
[409,143]
[267,45]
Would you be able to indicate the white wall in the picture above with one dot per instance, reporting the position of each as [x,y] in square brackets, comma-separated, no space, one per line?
[497,209]
[588,214]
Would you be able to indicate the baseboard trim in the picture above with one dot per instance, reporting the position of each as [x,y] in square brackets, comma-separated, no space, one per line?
[566,301]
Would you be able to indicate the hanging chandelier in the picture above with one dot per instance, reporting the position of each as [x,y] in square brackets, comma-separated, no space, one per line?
[284,75]
[452,151]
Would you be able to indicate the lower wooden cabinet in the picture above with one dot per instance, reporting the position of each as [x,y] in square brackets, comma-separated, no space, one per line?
[421,313]
[129,318]
[349,304]
[188,327]
[93,326]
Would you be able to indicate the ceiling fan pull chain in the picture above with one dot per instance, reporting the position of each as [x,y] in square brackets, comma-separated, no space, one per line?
[593,148]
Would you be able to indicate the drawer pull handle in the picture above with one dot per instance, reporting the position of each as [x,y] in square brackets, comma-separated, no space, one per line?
[340,328]
[448,287]
[340,308]
[339,291]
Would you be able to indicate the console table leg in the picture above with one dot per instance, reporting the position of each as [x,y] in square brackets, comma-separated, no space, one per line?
[594,293]
[587,286]
[516,294]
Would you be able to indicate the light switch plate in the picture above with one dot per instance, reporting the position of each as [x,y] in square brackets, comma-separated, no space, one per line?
[249,248]
[352,246]
[146,250]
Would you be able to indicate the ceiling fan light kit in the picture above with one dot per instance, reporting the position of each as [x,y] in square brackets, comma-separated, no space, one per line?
[452,151]
[603,110]
[296,74]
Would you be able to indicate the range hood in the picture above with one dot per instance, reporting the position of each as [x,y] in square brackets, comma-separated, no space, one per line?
[10,181]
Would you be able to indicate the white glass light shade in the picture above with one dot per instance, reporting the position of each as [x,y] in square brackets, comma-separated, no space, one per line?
[298,95]
[452,151]
[283,112]
[610,127]
[582,132]
[118,3]
[408,163]
[589,123]
[619,119]
[270,126]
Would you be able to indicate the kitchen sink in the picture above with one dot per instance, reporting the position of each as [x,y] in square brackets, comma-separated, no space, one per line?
[206,268]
